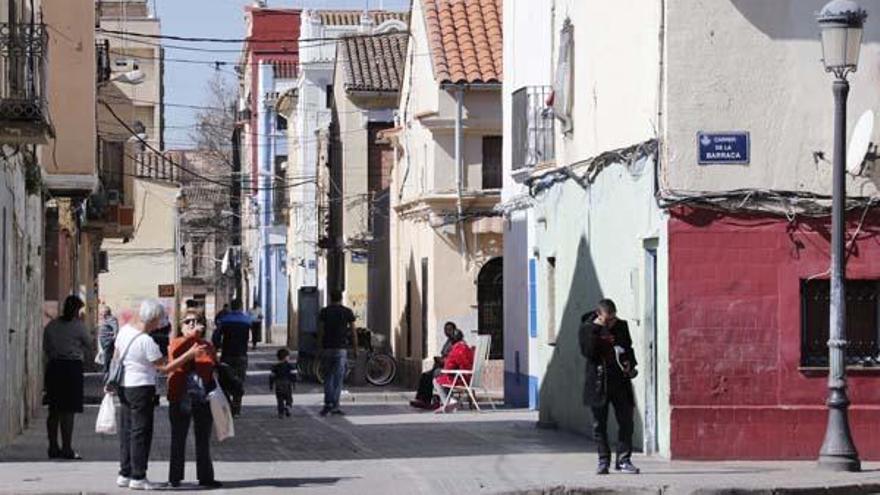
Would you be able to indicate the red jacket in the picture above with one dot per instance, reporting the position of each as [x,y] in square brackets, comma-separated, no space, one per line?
[461,357]
[203,365]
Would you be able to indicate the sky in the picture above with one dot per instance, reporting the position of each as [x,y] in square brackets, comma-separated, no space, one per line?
[185,82]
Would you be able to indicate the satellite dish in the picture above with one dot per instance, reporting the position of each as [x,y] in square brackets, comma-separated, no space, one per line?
[860,144]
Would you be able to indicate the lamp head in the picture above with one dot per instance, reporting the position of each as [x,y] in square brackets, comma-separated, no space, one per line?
[841,22]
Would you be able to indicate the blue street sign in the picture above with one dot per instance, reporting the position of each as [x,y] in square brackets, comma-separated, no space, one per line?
[723,148]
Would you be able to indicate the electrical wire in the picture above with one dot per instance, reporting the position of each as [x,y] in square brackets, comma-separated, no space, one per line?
[174,164]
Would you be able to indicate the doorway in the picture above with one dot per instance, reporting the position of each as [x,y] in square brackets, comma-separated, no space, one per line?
[650,318]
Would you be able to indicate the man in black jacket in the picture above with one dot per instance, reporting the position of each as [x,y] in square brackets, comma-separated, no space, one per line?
[611,364]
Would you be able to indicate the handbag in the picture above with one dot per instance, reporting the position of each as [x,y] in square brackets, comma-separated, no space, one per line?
[221,413]
[116,376]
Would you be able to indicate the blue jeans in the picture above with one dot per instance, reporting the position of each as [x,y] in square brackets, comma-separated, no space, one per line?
[335,362]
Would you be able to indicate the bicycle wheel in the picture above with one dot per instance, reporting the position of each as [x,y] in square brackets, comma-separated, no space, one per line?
[381,369]
[318,370]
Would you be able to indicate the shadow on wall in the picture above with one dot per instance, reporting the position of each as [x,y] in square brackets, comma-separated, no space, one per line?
[793,19]
[407,348]
[562,388]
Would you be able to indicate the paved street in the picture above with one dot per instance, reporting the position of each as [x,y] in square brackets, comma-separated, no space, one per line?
[383,447]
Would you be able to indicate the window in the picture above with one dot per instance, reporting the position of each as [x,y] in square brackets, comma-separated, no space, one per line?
[492,146]
[113,169]
[490,305]
[861,322]
[424,308]
[103,262]
[280,123]
[329,96]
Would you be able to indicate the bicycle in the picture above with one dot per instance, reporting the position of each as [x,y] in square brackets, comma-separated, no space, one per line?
[380,369]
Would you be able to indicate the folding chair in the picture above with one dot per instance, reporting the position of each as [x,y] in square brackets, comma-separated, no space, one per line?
[462,386]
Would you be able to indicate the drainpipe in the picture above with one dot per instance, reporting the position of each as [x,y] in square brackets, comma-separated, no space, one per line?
[459,169]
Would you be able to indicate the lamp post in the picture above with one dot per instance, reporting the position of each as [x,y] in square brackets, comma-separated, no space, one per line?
[180,203]
[841,23]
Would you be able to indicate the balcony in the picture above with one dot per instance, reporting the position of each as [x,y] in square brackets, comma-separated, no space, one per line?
[23,105]
[533,129]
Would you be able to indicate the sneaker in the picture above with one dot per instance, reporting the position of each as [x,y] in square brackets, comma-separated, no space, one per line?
[174,484]
[145,485]
[287,411]
[337,412]
[210,484]
[325,411]
[54,453]
[451,407]
[123,481]
[626,467]
[602,469]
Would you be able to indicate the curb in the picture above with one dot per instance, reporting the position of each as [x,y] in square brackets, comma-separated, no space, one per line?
[847,489]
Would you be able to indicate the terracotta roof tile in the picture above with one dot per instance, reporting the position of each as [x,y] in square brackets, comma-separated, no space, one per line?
[465,39]
[373,63]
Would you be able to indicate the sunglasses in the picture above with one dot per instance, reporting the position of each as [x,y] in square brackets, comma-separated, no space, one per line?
[190,321]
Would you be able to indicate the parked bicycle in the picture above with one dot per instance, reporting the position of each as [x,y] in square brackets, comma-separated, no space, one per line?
[380,368]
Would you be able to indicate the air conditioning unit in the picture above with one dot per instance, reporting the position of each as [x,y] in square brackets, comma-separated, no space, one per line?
[113,197]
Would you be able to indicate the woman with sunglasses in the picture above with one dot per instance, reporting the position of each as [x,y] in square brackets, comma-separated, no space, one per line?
[188,389]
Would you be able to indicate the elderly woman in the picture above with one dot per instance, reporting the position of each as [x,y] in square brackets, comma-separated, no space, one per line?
[142,360]
[188,388]
[65,342]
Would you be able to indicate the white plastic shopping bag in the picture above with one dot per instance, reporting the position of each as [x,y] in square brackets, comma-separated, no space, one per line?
[106,422]
[222,414]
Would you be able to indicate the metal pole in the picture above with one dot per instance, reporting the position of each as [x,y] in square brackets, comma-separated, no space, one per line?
[838,452]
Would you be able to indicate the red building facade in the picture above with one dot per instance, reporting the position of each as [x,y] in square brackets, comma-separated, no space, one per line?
[741,386]
[273,37]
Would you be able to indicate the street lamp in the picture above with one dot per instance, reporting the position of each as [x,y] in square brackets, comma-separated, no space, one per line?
[180,203]
[841,23]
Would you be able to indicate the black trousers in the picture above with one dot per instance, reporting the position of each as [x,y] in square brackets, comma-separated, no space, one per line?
[620,397]
[181,414]
[239,365]
[426,387]
[136,430]
[284,400]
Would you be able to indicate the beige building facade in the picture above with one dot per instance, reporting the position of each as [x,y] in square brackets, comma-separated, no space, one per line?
[446,242]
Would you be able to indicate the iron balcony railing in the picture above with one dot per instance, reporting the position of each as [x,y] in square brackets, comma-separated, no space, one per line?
[23,72]
[533,126]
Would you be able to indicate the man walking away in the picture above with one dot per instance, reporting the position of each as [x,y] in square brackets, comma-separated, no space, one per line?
[335,325]
[611,364]
[107,331]
[256,325]
[231,337]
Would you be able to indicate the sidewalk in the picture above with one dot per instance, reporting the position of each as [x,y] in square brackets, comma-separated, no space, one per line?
[383,447]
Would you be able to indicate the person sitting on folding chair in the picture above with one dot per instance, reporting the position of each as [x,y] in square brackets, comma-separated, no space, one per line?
[460,357]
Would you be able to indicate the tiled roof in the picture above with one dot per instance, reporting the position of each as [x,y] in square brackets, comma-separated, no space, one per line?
[465,39]
[373,63]
[353,17]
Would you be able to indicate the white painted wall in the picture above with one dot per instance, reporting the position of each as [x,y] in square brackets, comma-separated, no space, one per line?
[596,234]
[755,66]
[527,45]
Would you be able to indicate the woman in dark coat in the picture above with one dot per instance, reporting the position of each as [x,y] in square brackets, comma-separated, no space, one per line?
[66,342]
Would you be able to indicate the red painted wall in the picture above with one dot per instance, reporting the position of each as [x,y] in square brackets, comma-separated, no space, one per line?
[735,327]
